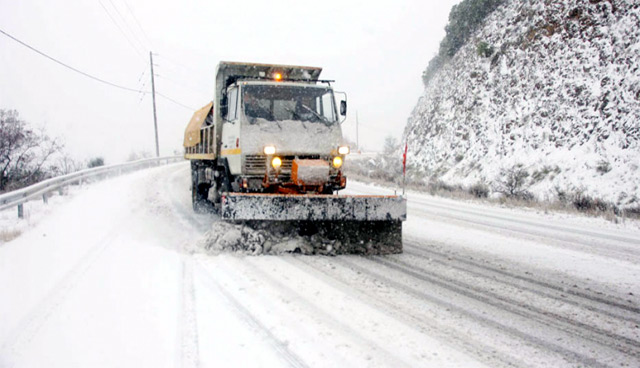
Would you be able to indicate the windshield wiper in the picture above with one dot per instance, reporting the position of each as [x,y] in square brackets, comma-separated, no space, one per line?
[322,118]
[293,114]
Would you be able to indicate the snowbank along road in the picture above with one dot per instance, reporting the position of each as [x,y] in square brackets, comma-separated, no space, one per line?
[116,276]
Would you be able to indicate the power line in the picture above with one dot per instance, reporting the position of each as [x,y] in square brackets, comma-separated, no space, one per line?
[120,29]
[137,22]
[87,74]
[69,66]
[124,20]
[174,101]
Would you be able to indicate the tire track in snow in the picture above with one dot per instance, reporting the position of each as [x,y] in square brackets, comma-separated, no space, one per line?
[549,318]
[623,311]
[198,224]
[410,317]
[246,316]
[514,325]
[326,317]
[188,353]
[187,321]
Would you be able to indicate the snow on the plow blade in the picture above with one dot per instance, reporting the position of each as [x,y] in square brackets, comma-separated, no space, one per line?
[282,207]
[309,224]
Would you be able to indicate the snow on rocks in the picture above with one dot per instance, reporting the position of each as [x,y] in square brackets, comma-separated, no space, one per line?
[560,97]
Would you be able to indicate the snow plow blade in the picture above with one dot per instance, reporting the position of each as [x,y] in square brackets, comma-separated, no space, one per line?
[283,207]
[350,224]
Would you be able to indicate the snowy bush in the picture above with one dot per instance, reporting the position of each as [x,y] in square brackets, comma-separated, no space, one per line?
[586,203]
[484,49]
[479,190]
[603,167]
[25,154]
[95,162]
[512,182]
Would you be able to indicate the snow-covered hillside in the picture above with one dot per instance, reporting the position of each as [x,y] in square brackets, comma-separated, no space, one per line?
[556,93]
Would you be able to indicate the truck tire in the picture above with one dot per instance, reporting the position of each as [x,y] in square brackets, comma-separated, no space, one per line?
[199,192]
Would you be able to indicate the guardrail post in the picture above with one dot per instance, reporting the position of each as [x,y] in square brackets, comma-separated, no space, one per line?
[45,198]
[20,211]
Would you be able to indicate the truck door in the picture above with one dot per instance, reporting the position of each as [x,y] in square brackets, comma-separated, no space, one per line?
[231,133]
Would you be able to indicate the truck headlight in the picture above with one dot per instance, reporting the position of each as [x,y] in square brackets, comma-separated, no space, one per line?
[276,163]
[269,150]
[343,150]
[337,162]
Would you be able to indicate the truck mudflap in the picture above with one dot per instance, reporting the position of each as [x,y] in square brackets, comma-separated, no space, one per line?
[332,224]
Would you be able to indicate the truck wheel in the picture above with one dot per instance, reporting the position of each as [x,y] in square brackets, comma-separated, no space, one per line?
[214,192]
[199,199]
[199,193]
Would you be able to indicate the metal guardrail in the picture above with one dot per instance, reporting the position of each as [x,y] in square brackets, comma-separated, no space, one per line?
[20,196]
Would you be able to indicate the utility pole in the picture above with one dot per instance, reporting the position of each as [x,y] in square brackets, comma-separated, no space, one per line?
[153,93]
[357,135]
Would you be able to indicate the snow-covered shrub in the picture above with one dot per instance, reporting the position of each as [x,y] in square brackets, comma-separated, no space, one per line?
[95,162]
[26,155]
[484,49]
[586,203]
[479,190]
[633,212]
[512,182]
[603,167]
[436,186]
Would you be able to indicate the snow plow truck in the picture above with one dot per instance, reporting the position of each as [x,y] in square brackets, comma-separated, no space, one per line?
[269,148]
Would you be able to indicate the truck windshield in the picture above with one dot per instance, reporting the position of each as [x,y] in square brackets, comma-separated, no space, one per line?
[278,103]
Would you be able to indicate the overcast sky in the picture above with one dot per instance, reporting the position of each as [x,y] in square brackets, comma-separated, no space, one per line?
[376,52]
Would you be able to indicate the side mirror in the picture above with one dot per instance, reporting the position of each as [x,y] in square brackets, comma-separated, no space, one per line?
[224,108]
[343,106]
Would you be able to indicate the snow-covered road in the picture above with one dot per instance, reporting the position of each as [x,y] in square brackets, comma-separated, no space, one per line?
[114,277]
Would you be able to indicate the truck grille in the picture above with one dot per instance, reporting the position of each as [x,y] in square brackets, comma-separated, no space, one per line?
[256,164]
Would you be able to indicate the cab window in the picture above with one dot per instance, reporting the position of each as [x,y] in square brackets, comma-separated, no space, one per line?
[232,109]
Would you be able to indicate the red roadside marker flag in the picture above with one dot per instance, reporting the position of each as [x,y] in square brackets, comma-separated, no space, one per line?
[404,160]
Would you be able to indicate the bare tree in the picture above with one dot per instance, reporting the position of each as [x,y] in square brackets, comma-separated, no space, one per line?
[390,145]
[512,182]
[65,164]
[24,152]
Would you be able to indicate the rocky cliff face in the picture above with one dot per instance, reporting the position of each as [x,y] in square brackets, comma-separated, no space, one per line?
[550,88]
